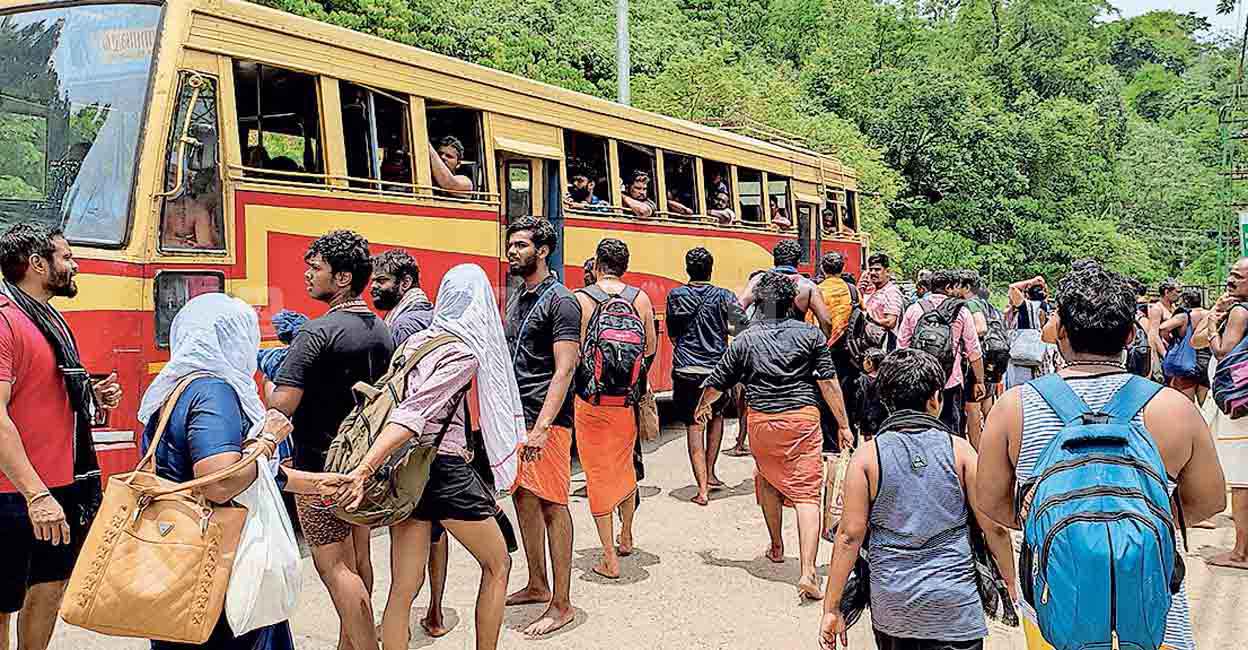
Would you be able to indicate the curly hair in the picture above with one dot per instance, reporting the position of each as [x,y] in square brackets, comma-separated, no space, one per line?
[345,252]
[452,142]
[775,293]
[1097,310]
[612,256]
[397,263]
[908,378]
[832,264]
[541,232]
[21,241]
[787,253]
[698,264]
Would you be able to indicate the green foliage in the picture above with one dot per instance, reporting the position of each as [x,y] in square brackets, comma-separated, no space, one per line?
[1012,137]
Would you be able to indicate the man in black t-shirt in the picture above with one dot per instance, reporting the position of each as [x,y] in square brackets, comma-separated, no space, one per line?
[329,355]
[543,332]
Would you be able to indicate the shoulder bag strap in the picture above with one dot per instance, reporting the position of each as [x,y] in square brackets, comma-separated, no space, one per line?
[166,411]
[524,323]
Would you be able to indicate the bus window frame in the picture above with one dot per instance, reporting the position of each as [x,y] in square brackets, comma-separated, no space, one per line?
[327,151]
[764,220]
[204,69]
[664,211]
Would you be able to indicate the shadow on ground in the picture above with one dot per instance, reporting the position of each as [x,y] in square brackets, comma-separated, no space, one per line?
[420,638]
[646,491]
[787,572]
[744,488]
[520,616]
[632,568]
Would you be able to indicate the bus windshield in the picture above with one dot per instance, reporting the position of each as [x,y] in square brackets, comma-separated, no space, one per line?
[72,92]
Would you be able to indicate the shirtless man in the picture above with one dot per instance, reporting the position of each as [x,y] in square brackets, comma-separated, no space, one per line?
[786,255]
[445,157]
[720,209]
[1158,313]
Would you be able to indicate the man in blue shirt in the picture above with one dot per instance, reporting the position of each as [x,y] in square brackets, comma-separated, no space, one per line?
[700,316]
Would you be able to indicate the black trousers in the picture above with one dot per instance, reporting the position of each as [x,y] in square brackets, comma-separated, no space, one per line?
[953,413]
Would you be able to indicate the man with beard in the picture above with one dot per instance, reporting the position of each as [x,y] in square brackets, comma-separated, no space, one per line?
[49,477]
[543,332]
[396,291]
[809,300]
[329,355]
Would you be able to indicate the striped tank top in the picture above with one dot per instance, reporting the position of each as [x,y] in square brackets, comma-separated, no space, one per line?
[922,577]
[1041,424]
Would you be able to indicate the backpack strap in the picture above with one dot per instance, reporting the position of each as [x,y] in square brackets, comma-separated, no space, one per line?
[1131,399]
[1054,390]
[595,293]
[630,293]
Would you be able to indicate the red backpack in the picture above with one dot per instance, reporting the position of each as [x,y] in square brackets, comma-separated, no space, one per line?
[613,352]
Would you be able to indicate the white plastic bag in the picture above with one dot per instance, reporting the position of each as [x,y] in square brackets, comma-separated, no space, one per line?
[265,582]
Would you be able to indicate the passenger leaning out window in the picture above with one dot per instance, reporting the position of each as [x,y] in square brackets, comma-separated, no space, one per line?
[636,195]
[445,157]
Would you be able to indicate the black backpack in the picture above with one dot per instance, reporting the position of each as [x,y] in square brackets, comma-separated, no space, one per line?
[612,366]
[933,333]
[1140,354]
[861,333]
[995,344]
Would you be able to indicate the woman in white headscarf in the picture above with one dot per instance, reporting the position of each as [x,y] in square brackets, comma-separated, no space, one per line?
[467,343]
[216,336]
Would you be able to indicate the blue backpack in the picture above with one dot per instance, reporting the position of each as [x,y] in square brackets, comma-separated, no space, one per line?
[1099,563]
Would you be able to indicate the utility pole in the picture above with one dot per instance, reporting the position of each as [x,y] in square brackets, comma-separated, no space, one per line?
[622,63]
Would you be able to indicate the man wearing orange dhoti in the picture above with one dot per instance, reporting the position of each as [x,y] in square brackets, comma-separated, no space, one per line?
[787,368]
[618,342]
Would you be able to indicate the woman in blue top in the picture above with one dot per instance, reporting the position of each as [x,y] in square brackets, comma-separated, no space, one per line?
[218,335]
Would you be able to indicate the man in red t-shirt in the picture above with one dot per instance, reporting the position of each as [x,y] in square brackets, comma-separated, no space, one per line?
[37,427]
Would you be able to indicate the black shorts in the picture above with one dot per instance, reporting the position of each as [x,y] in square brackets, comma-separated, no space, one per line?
[28,561]
[455,491]
[687,392]
[886,642]
[953,412]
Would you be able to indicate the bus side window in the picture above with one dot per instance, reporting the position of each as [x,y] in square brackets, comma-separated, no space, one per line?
[519,179]
[719,191]
[375,130]
[455,152]
[680,173]
[805,222]
[750,186]
[588,188]
[192,216]
[851,210]
[638,191]
[832,211]
[779,214]
[279,123]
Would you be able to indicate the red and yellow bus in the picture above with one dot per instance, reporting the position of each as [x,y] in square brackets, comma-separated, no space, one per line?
[192,146]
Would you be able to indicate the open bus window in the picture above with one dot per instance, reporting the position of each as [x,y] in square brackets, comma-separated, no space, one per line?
[173,290]
[718,191]
[638,191]
[779,212]
[851,211]
[750,185]
[805,232]
[375,131]
[455,152]
[680,173]
[73,89]
[832,210]
[587,166]
[279,123]
[191,217]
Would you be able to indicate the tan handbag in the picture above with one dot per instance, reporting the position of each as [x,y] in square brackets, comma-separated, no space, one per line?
[157,561]
[648,417]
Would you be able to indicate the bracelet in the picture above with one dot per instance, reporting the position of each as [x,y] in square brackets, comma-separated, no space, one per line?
[38,495]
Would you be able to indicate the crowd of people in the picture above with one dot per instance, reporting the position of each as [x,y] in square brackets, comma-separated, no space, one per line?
[944,408]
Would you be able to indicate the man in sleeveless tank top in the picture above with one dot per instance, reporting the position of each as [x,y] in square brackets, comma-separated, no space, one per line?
[1095,323]
[907,495]
[786,255]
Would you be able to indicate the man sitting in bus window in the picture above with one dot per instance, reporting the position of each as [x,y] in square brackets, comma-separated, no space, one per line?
[636,195]
[779,217]
[829,220]
[445,157]
[580,195]
[720,210]
[675,206]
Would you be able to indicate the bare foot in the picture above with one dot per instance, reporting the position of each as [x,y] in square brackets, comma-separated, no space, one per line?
[808,589]
[607,572]
[434,627]
[700,499]
[714,482]
[623,548]
[738,451]
[775,554]
[1229,560]
[551,620]
[1207,524]
[528,596]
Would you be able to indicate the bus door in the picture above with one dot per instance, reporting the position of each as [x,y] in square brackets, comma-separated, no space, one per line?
[531,187]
